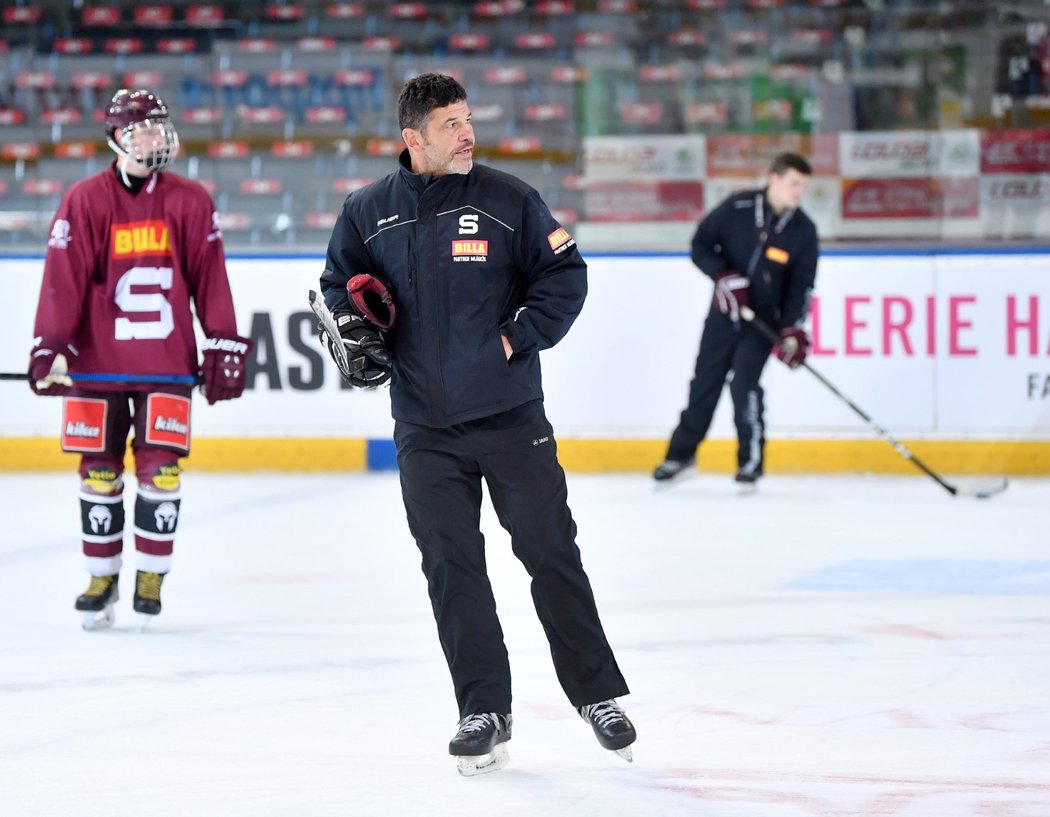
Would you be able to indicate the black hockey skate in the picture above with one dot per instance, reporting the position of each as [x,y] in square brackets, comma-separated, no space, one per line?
[96,603]
[611,726]
[670,471]
[480,744]
[747,481]
[147,595]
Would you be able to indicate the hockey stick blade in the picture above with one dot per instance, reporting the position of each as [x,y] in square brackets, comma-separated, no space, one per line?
[329,325]
[986,492]
[100,377]
[983,490]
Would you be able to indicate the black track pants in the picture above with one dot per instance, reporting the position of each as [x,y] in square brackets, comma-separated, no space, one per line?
[726,347]
[441,473]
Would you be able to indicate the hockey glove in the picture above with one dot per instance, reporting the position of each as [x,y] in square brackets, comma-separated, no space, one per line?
[731,290]
[49,367]
[793,346]
[368,359]
[224,365]
[371,299]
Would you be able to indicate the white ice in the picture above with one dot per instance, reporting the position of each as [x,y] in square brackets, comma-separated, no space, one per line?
[830,646]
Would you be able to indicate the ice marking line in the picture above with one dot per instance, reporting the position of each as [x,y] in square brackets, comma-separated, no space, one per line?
[977,577]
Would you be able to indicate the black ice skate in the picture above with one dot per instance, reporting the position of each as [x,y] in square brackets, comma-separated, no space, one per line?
[480,744]
[147,595]
[611,726]
[670,471]
[97,602]
[747,481]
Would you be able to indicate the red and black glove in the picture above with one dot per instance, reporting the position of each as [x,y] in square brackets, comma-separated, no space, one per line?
[363,332]
[225,361]
[49,367]
[793,346]
[731,291]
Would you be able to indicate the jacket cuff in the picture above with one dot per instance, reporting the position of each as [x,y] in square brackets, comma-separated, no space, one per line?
[515,334]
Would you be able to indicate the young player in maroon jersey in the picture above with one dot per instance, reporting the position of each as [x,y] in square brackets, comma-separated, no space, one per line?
[130,248]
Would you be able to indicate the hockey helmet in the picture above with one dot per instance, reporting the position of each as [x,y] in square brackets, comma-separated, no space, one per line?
[130,112]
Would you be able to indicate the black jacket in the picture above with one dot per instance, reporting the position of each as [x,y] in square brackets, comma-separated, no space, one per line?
[778,253]
[468,257]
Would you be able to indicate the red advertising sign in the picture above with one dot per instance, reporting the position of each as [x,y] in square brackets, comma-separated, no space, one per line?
[750,156]
[910,198]
[644,201]
[1015,151]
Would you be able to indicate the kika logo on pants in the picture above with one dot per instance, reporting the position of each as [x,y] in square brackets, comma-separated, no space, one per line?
[82,430]
[171,424]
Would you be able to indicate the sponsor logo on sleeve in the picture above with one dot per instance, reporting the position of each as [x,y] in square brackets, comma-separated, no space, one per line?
[60,236]
[141,238]
[470,250]
[560,240]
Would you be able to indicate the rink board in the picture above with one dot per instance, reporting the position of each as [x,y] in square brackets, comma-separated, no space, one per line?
[949,351]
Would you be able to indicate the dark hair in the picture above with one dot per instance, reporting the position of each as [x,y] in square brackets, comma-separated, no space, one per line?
[422,94]
[790,161]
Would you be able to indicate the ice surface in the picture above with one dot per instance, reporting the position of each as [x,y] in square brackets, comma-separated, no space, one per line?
[830,646]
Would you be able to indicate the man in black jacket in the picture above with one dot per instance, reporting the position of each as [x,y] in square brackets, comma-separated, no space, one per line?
[761,251]
[482,278]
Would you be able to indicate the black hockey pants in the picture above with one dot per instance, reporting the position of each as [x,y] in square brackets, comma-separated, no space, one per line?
[441,474]
[726,347]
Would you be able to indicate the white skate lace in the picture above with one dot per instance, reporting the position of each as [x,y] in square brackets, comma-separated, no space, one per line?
[478,721]
[603,713]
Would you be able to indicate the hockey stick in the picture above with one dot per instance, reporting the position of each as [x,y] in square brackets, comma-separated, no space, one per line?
[955,490]
[327,319]
[93,377]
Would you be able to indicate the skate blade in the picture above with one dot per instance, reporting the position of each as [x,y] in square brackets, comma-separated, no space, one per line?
[625,753]
[95,620]
[682,476]
[473,765]
[144,621]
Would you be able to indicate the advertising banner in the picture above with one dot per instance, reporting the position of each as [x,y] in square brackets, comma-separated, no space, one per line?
[943,346]
[648,158]
[909,154]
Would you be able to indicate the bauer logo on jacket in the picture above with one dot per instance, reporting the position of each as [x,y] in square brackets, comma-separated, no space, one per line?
[141,238]
[472,250]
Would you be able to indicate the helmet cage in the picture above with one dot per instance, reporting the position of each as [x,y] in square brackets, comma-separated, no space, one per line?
[163,149]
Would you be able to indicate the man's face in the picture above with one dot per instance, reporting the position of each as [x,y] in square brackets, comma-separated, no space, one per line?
[785,191]
[148,144]
[445,144]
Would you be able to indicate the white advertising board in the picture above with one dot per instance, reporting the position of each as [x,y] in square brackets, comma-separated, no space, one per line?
[944,346]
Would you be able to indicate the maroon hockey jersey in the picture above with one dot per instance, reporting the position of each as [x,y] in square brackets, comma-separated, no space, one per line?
[122,270]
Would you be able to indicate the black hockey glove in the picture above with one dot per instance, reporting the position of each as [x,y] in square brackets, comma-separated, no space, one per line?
[368,359]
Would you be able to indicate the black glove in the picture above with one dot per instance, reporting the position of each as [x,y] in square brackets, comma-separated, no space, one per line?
[368,359]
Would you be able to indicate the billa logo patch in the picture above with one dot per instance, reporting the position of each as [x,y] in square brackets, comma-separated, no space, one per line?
[168,420]
[558,237]
[84,424]
[141,238]
[777,255]
[470,248]
[463,250]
